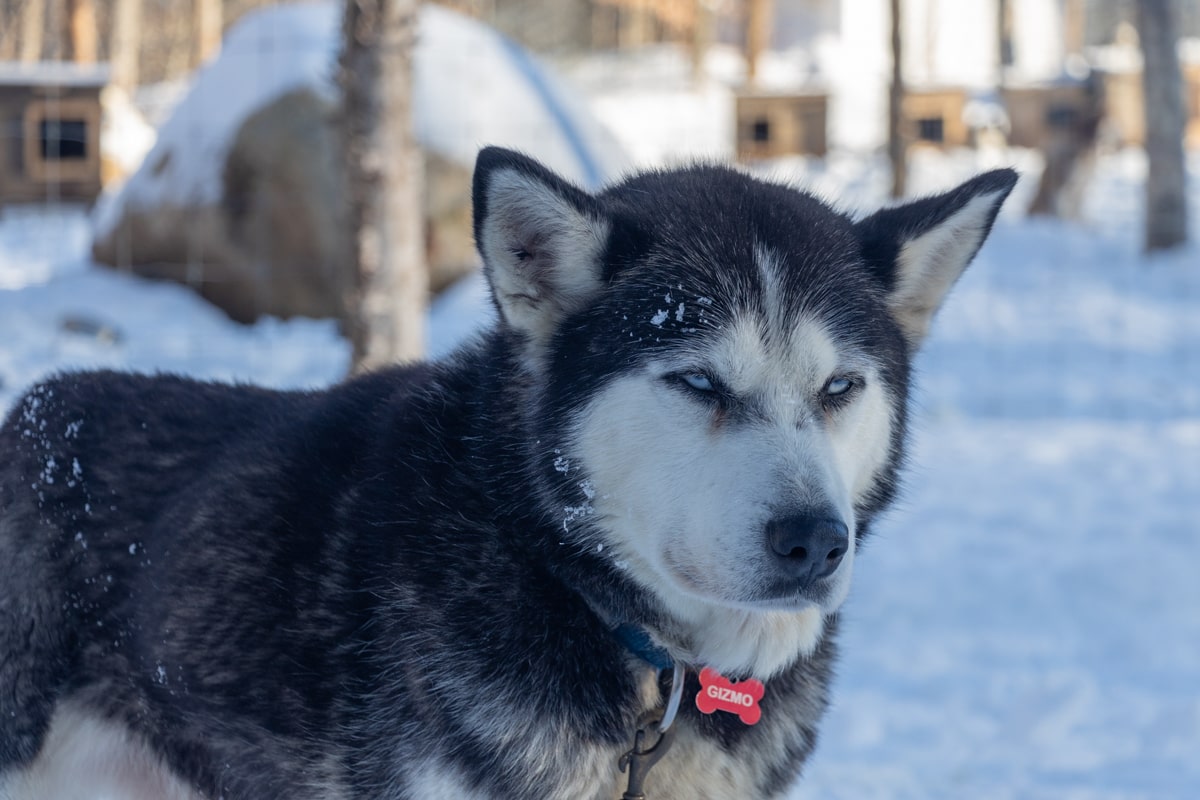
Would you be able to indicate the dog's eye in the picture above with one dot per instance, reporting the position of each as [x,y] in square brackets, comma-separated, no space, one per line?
[839,390]
[698,381]
[699,385]
[838,386]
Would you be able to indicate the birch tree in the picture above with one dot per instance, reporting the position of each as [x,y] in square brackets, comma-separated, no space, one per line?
[386,306]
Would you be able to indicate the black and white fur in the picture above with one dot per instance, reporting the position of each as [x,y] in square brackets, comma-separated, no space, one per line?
[406,586]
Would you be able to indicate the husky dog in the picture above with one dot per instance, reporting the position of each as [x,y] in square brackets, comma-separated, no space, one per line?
[476,578]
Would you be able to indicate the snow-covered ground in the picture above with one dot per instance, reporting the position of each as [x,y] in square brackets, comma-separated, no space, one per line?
[1026,623]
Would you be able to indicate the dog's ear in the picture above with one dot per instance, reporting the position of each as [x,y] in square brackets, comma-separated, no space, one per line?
[541,239]
[919,249]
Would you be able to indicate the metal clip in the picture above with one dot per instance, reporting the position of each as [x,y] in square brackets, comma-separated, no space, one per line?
[641,758]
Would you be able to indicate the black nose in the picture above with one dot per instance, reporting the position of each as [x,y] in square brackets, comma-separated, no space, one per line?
[810,547]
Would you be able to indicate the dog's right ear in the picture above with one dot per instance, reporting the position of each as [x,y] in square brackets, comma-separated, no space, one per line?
[541,239]
[918,249]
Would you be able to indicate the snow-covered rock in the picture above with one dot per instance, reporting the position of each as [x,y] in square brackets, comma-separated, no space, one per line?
[125,136]
[240,197]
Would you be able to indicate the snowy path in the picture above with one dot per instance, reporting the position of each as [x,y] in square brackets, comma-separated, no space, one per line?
[1027,626]
[1026,623]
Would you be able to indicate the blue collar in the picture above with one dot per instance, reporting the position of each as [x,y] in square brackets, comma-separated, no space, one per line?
[637,641]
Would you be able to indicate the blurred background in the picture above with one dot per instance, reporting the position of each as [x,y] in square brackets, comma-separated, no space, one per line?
[279,192]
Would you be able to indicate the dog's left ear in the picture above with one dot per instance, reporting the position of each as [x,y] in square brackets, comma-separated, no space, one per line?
[541,239]
[919,249]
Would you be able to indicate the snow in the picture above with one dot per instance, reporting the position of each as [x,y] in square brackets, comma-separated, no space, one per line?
[125,136]
[72,314]
[1026,622]
[258,63]
[1025,625]
[61,74]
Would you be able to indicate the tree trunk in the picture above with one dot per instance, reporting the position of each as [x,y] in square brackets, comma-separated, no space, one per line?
[1004,45]
[125,44]
[386,307]
[206,27]
[896,145]
[33,24]
[81,27]
[1162,86]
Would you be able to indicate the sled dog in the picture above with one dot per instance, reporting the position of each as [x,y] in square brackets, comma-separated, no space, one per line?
[526,570]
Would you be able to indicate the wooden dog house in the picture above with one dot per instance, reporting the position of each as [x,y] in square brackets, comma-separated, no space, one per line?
[50,125]
[1038,113]
[774,125]
[934,117]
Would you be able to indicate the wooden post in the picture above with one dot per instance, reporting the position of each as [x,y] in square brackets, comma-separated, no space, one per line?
[1162,85]
[206,26]
[81,27]
[896,145]
[181,48]
[759,14]
[1074,19]
[33,25]
[386,309]
[124,46]
[10,12]
[702,33]
[634,19]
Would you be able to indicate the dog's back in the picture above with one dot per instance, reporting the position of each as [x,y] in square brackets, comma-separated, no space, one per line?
[123,497]
[223,576]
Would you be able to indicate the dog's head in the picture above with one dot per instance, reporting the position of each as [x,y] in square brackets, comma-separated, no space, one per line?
[718,371]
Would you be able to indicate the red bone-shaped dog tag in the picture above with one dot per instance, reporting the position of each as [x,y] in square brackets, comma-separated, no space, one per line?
[718,692]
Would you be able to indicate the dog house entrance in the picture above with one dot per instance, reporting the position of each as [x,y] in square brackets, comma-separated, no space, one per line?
[63,139]
[931,129]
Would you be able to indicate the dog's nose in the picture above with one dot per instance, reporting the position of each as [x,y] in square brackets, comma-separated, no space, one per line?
[810,547]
